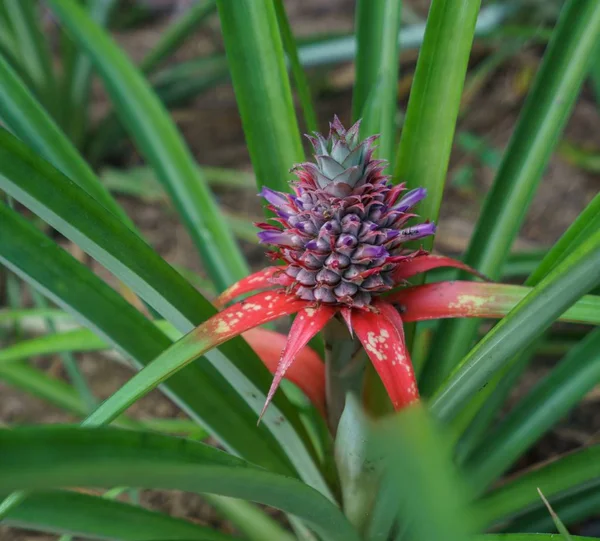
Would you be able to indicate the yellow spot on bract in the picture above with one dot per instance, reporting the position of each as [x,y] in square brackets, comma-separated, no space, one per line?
[252,306]
[471,301]
[268,297]
[310,312]
[222,327]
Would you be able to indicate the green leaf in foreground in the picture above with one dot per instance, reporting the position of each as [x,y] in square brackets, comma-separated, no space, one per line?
[41,458]
[86,516]
[78,290]
[561,288]
[424,488]
[234,368]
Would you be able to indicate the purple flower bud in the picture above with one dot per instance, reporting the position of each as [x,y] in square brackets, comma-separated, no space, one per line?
[307,278]
[368,251]
[418,231]
[276,237]
[410,199]
[328,277]
[277,199]
[345,289]
[349,241]
[324,294]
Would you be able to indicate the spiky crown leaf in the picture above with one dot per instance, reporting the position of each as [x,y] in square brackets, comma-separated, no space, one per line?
[342,232]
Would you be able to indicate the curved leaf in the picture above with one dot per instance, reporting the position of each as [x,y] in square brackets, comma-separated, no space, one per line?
[545,113]
[79,291]
[39,458]
[262,89]
[577,470]
[575,276]
[26,118]
[538,411]
[480,300]
[161,143]
[75,214]
[434,102]
[84,515]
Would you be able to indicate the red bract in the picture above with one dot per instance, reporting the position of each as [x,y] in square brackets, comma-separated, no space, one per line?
[342,239]
[378,327]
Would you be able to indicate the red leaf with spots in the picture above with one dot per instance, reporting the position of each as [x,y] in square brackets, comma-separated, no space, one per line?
[247,314]
[259,280]
[307,371]
[425,262]
[382,336]
[308,322]
[456,299]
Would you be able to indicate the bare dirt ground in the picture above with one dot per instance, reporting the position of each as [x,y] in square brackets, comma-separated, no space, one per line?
[213,130]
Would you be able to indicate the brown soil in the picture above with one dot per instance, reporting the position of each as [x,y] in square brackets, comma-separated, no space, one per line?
[212,127]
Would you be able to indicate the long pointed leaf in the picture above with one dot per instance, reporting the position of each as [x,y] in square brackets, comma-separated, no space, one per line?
[28,120]
[71,211]
[101,457]
[232,321]
[544,115]
[84,515]
[576,275]
[573,471]
[257,65]
[161,143]
[434,102]
[377,67]
[548,402]
[75,288]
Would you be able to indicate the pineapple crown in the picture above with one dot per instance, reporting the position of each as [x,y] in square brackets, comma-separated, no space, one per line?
[342,232]
[342,159]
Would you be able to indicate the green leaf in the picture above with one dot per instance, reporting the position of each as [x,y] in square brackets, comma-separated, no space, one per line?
[377,67]
[254,523]
[434,102]
[424,488]
[574,471]
[262,89]
[32,48]
[72,212]
[300,80]
[529,537]
[560,289]
[584,225]
[30,122]
[41,458]
[538,411]
[161,143]
[48,388]
[556,519]
[357,479]
[544,115]
[483,407]
[80,78]
[92,516]
[76,289]
[176,34]
[573,508]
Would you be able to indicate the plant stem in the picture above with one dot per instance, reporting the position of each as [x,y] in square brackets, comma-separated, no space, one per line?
[344,369]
